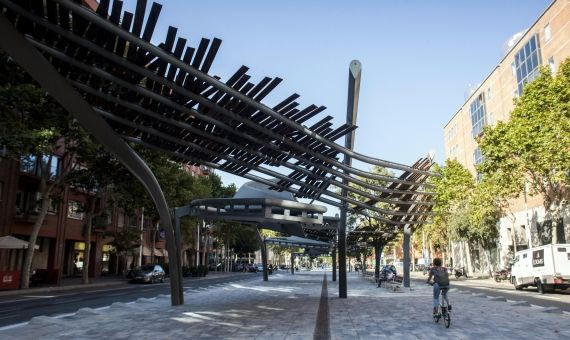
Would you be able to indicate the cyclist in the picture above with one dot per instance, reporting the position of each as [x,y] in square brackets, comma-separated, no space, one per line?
[440,282]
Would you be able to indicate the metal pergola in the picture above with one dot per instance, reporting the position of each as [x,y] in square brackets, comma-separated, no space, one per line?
[102,68]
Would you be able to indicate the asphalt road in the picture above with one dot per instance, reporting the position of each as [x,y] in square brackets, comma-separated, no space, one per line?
[560,298]
[21,308]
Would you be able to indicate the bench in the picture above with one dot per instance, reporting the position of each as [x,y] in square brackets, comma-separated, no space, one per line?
[368,275]
[394,283]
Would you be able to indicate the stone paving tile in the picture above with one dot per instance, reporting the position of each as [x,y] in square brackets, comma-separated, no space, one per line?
[283,308]
[286,308]
[376,313]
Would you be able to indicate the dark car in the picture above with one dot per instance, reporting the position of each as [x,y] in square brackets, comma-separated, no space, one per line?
[149,273]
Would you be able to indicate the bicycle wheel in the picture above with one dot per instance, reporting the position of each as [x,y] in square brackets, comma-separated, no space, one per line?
[447,320]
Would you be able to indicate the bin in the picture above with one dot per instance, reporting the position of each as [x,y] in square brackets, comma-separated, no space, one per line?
[9,280]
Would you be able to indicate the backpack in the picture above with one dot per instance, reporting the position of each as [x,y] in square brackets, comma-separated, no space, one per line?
[440,276]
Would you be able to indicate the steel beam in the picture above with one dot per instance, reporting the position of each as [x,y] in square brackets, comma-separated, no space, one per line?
[334,264]
[44,73]
[407,231]
[355,70]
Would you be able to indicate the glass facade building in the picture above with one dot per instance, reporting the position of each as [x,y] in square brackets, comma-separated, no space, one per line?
[478,115]
[527,62]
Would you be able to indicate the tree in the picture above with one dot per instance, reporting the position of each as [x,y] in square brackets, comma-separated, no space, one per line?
[533,145]
[34,129]
[453,188]
[485,210]
[97,173]
[376,233]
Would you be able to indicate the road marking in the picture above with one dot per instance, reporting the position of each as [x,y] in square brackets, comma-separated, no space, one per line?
[4,302]
[14,326]
[66,301]
[12,309]
[61,316]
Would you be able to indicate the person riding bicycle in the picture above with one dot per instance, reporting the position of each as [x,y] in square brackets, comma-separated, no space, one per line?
[440,282]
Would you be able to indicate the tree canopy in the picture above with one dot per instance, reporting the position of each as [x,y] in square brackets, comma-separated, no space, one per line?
[534,145]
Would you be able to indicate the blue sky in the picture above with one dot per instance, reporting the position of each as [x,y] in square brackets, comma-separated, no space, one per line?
[418,57]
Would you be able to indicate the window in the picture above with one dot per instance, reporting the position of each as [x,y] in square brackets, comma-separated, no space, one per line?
[479,177]
[53,162]
[524,256]
[451,133]
[514,69]
[527,62]
[29,164]
[53,207]
[75,210]
[477,156]
[488,93]
[478,116]
[547,32]
[121,219]
[552,65]
[490,120]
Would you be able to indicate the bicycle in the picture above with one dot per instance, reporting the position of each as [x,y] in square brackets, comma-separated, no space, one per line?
[443,310]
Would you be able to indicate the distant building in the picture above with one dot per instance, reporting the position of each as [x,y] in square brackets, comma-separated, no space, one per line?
[546,43]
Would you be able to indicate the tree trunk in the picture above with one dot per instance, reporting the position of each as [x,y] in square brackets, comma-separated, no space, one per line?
[556,212]
[116,263]
[490,266]
[34,236]
[206,250]
[468,255]
[87,251]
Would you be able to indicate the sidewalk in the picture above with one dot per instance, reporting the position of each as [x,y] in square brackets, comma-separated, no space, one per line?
[286,307]
[103,281]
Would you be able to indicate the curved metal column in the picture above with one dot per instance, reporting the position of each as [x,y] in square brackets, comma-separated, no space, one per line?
[58,87]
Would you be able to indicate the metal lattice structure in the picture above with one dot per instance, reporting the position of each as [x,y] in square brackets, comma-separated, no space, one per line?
[101,66]
[163,98]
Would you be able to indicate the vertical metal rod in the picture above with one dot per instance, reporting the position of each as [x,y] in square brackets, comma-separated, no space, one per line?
[198,245]
[292,263]
[334,264]
[351,112]
[47,76]
[264,260]
[178,241]
[407,231]
[141,247]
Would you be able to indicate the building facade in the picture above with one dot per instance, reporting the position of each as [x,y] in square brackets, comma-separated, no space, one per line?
[545,43]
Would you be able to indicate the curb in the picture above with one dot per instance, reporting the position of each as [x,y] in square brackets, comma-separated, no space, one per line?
[96,285]
[59,288]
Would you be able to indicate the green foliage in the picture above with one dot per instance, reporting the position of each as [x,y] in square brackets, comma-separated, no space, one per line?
[534,144]
[368,223]
[452,191]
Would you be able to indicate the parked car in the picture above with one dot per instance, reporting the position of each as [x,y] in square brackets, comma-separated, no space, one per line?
[545,267]
[259,267]
[149,273]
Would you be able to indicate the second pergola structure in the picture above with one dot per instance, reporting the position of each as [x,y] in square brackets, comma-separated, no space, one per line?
[102,68]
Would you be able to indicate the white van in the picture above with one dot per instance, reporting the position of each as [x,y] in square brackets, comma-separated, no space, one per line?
[545,267]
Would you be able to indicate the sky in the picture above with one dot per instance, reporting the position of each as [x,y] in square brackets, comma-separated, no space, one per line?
[418,57]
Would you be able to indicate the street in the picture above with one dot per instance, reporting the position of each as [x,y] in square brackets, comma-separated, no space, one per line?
[560,298]
[21,308]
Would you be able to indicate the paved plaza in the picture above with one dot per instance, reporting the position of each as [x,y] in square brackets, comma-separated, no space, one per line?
[286,307]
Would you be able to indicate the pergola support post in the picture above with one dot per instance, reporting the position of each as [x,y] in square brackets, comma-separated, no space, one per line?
[44,73]
[351,112]
[264,260]
[407,231]
[334,264]
[292,263]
